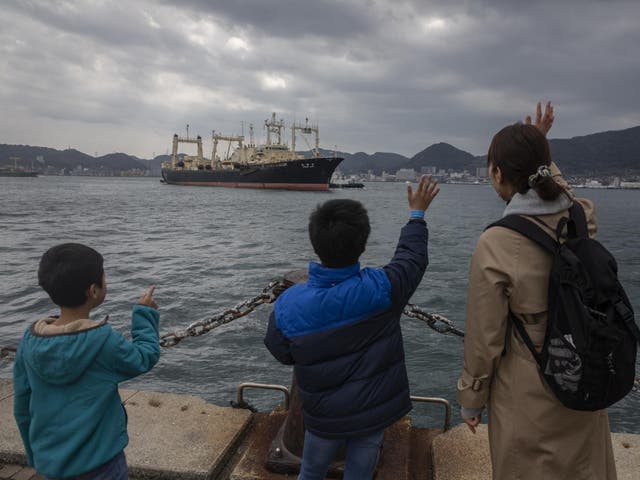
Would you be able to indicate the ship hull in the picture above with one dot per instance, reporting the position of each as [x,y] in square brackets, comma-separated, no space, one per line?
[306,174]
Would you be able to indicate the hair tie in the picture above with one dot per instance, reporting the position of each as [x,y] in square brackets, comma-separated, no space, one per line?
[543,171]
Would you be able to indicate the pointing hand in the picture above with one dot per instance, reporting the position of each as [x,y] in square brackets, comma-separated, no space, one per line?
[147,298]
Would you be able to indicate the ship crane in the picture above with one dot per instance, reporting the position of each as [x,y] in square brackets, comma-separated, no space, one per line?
[177,140]
[225,138]
[305,129]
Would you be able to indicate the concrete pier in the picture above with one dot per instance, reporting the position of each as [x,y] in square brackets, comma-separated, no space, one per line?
[183,437]
[170,436]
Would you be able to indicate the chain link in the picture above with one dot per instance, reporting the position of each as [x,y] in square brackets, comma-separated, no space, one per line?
[268,295]
[8,353]
[434,321]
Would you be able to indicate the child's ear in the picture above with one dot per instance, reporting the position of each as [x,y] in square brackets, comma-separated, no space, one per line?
[92,292]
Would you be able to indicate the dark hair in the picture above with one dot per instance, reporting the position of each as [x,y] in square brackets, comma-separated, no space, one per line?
[519,150]
[66,271]
[338,230]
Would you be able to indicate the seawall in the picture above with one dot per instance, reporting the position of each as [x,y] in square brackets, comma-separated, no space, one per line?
[183,437]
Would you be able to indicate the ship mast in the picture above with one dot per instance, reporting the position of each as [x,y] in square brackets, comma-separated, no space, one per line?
[276,127]
[305,129]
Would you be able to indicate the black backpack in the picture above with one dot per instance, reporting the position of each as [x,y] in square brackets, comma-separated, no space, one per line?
[589,352]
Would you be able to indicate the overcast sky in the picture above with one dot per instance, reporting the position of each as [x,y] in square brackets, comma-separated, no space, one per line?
[394,76]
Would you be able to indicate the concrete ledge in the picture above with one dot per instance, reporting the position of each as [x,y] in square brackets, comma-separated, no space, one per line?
[170,436]
[11,449]
[394,464]
[460,455]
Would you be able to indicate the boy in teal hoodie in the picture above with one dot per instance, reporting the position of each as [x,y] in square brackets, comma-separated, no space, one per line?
[67,369]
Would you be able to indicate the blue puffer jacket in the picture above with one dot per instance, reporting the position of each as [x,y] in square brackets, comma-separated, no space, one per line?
[66,400]
[341,331]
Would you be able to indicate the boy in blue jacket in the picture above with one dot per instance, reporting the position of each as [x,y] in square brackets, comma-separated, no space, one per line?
[67,369]
[341,331]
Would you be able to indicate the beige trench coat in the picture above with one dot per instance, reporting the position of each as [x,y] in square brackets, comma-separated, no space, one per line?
[531,434]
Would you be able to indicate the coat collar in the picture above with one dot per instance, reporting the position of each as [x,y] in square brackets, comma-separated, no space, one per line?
[321,276]
[531,204]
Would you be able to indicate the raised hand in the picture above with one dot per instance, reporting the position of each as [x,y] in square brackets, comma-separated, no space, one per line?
[147,298]
[424,194]
[543,122]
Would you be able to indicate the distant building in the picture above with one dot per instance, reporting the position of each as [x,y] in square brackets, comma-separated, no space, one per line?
[406,174]
[387,177]
[428,170]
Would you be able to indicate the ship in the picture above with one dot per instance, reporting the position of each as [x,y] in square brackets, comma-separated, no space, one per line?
[16,171]
[8,172]
[273,165]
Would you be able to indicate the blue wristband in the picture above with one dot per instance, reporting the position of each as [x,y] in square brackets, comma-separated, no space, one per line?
[417,213]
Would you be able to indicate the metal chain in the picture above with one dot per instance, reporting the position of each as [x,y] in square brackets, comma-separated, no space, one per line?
[8,353]
[268,295]
[446,326]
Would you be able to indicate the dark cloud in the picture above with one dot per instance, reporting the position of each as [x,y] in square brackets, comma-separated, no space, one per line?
[377,75]
[332,19]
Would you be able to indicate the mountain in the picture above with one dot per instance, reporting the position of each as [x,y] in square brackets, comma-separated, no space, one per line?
[68,159]
[615,152]
[377,162]
[121,161]
[443,156]
[606,153]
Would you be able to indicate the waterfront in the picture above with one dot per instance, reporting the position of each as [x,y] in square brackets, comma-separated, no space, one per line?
[208,248]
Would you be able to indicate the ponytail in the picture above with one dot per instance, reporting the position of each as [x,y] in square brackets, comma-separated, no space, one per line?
[523,156]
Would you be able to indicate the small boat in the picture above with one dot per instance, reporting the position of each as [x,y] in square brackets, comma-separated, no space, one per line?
[349,184]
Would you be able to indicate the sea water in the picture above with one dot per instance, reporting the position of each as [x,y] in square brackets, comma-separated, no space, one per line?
[207,249]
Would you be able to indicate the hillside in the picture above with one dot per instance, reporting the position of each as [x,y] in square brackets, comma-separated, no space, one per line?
[606,153]
[68,159]
[615,152]
[443,156]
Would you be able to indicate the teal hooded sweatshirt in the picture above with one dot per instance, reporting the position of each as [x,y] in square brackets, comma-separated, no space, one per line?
[66,400]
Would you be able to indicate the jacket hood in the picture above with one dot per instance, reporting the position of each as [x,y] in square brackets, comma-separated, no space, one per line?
[61,354]
[531,204]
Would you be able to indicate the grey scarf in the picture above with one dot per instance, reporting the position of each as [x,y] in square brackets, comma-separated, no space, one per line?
[531,204]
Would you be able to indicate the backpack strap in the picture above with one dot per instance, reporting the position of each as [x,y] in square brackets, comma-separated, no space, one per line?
[527,228]
[526,338]
[576,213]
[627,315]
[535,233]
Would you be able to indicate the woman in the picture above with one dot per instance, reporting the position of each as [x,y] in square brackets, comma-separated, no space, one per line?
[531,434]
